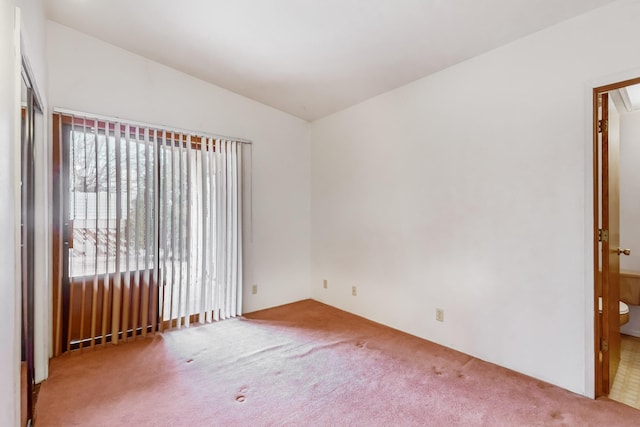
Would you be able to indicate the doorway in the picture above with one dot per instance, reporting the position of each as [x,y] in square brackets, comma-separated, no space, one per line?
[607,108]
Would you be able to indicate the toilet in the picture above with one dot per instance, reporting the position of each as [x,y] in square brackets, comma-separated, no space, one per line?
[624,311]
[630,294]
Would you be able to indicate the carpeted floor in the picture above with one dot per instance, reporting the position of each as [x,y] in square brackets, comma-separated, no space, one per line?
[302,364]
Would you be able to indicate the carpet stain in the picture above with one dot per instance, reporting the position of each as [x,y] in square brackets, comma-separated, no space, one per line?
[556,415]
[436,371]
[360,344]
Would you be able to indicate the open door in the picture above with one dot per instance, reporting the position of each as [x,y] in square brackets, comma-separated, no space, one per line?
[609,237]
[606,237]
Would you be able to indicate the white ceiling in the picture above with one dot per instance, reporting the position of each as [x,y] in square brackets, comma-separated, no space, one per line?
[311,58]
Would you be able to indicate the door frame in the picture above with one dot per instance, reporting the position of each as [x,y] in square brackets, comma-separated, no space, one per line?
[599,387]
[31,213]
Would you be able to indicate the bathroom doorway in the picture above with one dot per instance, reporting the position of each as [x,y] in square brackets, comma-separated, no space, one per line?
[613,104]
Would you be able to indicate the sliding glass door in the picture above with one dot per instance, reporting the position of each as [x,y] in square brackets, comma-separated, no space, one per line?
[149,230]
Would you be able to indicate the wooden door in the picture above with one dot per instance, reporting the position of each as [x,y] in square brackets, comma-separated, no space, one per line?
[610,242]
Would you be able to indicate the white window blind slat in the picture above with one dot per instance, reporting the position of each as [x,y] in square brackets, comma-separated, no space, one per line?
[128,265]
[117,277]
[188,224]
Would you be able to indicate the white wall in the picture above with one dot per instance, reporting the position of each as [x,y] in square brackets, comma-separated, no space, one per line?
[9,329]
[88,75]
[33,29]
[470,190]
[630,190]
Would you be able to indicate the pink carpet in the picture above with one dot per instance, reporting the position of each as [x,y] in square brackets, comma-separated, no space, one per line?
[302,364]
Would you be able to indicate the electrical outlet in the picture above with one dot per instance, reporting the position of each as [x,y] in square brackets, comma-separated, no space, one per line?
[254,289]
[440,314]
[324,284]
[354,291]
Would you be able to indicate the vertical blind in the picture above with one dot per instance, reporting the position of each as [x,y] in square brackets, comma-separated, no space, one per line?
[152,229]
